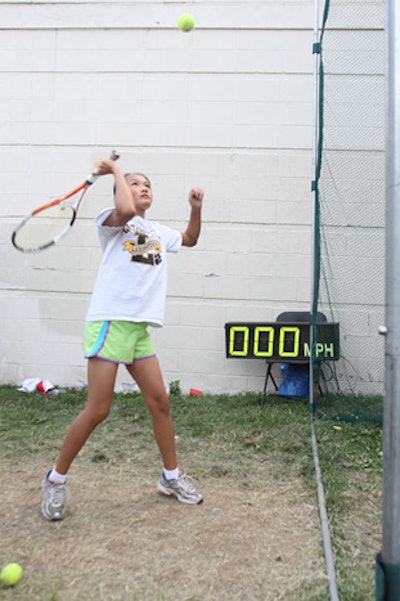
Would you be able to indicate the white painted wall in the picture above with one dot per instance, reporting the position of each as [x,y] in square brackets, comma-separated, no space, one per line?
[227,107]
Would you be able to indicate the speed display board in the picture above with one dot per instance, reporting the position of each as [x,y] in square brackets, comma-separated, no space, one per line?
[281,341]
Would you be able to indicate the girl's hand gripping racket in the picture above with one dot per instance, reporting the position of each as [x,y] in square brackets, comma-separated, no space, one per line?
[47,224]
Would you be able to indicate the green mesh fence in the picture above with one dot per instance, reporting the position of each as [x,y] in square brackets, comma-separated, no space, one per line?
[350,205]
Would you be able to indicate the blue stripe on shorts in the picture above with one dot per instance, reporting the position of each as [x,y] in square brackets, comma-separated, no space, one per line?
[101,338]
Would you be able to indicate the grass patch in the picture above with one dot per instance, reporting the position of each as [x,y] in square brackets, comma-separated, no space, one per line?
[231,445]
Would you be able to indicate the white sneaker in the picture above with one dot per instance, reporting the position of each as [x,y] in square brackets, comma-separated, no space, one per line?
[55,496]
[181,488]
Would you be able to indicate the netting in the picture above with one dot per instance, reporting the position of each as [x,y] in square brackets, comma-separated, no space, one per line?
[350,203]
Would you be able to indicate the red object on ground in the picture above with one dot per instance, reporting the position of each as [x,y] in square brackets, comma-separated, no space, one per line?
[195,392]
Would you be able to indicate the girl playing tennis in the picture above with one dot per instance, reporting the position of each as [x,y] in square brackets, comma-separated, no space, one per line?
[128,296]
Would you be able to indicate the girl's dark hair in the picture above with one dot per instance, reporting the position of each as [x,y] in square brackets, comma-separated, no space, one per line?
[133,173]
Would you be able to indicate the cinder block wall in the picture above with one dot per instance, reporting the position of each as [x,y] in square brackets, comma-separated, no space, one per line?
[227,107]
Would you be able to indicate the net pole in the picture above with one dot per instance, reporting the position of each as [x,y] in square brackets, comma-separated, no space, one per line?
[333,592]
[388,561]
[316,54]
[391,429]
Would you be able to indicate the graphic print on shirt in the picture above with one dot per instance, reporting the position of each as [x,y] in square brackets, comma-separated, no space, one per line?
[144,247]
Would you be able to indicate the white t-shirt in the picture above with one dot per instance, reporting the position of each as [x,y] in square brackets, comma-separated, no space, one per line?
[131,283]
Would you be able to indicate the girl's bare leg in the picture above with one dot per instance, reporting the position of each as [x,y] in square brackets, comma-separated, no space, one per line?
[101,380]
[147,374]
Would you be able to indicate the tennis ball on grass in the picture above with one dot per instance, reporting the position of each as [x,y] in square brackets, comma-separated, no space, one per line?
[11,574]
[186,22]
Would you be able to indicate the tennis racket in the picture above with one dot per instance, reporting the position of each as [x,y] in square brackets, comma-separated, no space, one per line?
[49,223]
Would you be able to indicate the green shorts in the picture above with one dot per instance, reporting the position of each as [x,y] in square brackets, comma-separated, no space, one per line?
[118,341]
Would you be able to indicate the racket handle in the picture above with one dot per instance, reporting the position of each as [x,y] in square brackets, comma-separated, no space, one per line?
[114,156]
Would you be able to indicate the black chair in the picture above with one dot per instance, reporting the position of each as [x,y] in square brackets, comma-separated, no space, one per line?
[289,317]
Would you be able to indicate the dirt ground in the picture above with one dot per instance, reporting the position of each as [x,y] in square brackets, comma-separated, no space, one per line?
[123,541]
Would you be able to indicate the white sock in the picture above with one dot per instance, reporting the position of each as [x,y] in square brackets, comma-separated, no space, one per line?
[171,474]
[55,477]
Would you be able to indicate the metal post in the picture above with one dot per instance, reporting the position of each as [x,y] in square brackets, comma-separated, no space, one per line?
[388,562]
[391,490]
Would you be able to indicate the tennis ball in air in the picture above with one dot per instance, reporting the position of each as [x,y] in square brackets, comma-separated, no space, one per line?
[11,574]
[186,22]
